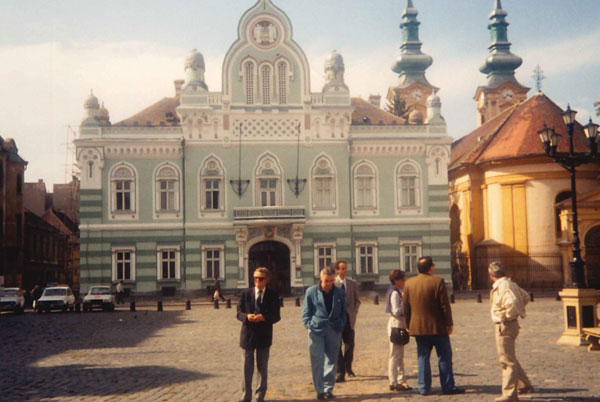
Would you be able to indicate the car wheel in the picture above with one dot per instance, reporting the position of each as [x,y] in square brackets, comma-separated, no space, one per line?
[111,307]
[38,309]
[19,310]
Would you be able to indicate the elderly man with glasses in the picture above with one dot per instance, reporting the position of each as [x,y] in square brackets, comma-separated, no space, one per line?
[258,310]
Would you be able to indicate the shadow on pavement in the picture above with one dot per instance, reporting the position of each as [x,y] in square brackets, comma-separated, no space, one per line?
[61,381]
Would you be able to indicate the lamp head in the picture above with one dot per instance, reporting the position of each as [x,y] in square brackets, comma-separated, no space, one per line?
[569,115]
[591,131]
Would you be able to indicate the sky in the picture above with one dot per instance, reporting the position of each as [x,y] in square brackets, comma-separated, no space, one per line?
[130,52]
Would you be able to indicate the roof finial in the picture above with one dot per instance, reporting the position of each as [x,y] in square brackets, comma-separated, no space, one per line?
[497,5]
[538,76]
[409,4]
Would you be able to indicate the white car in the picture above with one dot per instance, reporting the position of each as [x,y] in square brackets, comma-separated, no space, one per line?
[12,299]
[99,297]
[56,298]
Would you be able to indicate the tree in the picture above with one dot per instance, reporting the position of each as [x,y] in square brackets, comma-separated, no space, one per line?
[597,106]
[397,106]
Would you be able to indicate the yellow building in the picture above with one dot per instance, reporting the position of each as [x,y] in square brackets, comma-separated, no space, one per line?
[506,194]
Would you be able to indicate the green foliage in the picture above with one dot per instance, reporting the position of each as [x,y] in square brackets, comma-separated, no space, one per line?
[397,106]
[597,106]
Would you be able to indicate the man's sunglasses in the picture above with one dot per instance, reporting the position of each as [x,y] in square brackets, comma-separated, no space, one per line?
[260,278]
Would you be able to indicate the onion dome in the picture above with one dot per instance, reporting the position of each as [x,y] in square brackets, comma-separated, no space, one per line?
[103,115]
[195,61]
[500,65]
[334,61]
[91,102]
[412,63]
[194,72]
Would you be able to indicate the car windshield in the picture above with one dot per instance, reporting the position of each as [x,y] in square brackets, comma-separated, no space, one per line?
[100,291]
[8,292]
[55,292]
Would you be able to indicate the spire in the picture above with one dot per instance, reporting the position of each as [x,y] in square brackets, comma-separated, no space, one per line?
[412,63]
[500,65]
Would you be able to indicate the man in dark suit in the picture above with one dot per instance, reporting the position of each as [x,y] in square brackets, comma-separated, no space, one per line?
[258,310]
[429,319]
[346,355]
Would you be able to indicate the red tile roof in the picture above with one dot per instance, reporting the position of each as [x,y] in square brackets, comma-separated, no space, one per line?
[513,134]
[375,115]
[154,114]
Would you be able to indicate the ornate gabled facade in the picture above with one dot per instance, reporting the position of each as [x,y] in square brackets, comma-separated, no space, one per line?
[213,184]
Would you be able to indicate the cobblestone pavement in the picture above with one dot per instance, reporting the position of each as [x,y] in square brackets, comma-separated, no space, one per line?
[179,355]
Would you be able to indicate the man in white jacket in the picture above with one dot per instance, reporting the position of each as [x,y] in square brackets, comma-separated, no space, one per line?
[508,303]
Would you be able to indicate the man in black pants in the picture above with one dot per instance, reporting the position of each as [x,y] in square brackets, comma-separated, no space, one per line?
[346,355]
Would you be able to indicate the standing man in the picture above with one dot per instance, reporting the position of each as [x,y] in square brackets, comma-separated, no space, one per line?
[258,310]
[508,302]
[120,293]
[345,357]
[429,319]
[324,315]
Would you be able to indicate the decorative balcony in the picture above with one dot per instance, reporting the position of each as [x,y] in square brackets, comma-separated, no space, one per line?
[248,215]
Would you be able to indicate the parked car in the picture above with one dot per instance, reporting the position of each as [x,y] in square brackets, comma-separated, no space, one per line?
[56,298]
[100,297]
[12,299]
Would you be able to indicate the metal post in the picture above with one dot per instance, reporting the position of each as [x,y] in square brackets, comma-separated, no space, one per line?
[188,305]
[159,306]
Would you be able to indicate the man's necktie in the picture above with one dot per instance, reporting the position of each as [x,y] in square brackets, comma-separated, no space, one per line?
[343,287]
[257,306]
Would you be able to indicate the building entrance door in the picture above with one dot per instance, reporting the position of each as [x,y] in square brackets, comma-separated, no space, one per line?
[276,257]
[592,257]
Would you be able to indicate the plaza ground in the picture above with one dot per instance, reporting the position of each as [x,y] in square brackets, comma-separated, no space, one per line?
[179,355]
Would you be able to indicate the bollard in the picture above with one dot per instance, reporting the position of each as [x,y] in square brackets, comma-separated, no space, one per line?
[132,306]
[228,303]
[557,297]
[159,306]
[216,303]
[78,307]
[297,301]
[188,305]
[478,297]
[531,296]
[280,301]
[376,300]
[452,298]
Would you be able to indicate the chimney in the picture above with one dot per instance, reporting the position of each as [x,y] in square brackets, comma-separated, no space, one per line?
[375,100]
[178,85]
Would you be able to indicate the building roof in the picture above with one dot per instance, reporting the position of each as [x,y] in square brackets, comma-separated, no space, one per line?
[66,221]
[155,114]
[514,134]
[375,115]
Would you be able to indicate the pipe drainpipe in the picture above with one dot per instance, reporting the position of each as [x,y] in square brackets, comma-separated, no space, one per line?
[183,208]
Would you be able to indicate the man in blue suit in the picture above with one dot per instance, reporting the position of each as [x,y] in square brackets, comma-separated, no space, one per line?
[324,315]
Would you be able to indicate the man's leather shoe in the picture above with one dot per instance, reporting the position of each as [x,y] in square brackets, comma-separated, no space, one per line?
[340,378]
[260,397]
[526,390]
[322,396]
[507,399]
[329,395]
[454,391]
[350,373]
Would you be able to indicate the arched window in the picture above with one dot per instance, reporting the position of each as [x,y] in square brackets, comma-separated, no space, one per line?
[265,73]
[91,169]
[408,183]
[332,127]
[282,74]
[167,189]
[365,186]
[123,183]
[323,185]
[268,183]
[249,75]
[560,197]
[212,194]
[19,184]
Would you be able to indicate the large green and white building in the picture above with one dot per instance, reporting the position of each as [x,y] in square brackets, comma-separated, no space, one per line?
[213,184]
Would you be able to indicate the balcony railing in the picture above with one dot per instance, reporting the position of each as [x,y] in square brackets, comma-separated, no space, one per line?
[269,213]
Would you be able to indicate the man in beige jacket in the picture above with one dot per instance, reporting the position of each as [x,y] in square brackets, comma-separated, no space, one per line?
[508,302]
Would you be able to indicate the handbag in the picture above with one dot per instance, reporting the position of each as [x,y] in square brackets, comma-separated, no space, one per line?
[399,336]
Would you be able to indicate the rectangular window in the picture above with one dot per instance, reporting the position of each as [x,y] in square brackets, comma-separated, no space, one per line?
[123,262]
[409,255]
[213,257]
[364,192]
[168,264]
[211,194]
[268,192]
[123,195]
[366,258]
[167,195]
[323,192]
[409,192]
[324,256]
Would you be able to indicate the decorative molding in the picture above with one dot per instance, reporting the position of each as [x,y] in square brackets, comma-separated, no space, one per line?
[131,151]
[267,128]
[388,149]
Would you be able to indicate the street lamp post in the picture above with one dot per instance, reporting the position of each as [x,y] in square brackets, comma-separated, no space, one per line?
[580,302]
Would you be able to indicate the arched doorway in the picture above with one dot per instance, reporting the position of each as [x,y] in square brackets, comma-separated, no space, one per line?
[276,257]
[592,257]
